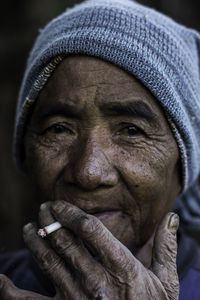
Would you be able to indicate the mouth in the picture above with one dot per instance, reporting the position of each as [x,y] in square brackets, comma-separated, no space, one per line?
[103,214]
[106,214]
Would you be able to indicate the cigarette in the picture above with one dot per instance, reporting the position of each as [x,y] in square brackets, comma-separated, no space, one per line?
[43,232]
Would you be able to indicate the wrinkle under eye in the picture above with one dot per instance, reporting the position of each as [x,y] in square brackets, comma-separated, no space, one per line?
[58,129]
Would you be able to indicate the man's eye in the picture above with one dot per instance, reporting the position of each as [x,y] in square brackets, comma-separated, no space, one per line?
[130,130]
[58,129]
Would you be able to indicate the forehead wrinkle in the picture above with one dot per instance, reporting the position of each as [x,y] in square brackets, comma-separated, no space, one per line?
[73,101]
[94,69]
[81,85]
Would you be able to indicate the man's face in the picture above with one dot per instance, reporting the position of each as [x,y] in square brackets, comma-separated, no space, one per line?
[98,139]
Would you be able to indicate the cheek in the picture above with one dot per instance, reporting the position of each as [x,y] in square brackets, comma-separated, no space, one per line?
[142,174]
[148,179]
[148,168]
[44,164]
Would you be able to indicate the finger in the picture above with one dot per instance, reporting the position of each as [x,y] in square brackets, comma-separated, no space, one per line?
[65,242]
[71,248]
[8,291]
[50,262]
[45,216]
[164,254]
[97,237]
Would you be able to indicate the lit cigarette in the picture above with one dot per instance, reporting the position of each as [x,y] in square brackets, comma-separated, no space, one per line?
[43,232]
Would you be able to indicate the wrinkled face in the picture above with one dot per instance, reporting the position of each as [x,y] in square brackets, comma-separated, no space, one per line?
[98,139]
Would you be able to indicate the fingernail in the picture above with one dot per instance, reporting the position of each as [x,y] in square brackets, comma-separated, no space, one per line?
[173,223]
[28,227]
[58,206]
[43,206]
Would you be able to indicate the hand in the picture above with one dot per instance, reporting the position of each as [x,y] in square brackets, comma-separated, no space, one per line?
[8,291]
[85,261]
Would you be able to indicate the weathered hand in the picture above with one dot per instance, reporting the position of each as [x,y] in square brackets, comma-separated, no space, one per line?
[85,261]
[8,291]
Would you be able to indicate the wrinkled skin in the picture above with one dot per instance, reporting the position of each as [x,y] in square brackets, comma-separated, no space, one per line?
[99,141]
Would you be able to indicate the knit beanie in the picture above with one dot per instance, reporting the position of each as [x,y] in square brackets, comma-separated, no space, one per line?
[162,54]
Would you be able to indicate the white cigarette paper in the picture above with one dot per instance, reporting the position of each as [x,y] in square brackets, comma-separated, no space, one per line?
[52,227]
[43,232]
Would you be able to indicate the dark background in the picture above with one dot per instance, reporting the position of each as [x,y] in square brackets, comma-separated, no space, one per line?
[20,21]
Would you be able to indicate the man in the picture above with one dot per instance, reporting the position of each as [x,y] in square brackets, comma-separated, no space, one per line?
[110,154]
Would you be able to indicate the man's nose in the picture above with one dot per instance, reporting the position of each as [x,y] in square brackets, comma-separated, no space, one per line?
[93,169]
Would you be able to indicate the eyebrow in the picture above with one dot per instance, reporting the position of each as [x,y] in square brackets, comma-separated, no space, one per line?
[61,109]
[133,109]
[137,109]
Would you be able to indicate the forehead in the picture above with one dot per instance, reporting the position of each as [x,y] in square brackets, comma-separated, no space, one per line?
[80,81]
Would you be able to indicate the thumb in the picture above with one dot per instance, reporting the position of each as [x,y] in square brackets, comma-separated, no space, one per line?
[8,291]
[164,254]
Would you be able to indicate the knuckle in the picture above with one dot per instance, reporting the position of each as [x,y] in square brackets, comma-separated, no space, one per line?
[64,243]
[68,211]
[131,271]
[48,261]
[94,288]
[99,294]
[89,225]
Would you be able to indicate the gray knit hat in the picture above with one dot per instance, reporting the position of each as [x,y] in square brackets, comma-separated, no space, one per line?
[162,54]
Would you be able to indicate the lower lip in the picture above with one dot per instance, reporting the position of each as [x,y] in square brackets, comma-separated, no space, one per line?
[106,215]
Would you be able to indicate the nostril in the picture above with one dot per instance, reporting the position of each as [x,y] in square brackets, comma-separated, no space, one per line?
[92,177]
[89,179]
[93,169]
